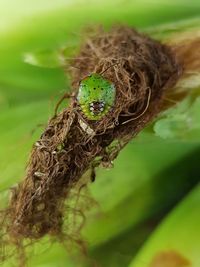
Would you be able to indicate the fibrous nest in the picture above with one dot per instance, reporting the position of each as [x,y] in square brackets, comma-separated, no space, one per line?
[142,70]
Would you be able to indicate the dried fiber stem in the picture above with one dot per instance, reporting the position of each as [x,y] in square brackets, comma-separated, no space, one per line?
[143,70]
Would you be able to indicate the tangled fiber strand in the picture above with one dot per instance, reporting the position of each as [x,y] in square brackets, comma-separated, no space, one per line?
[142,71]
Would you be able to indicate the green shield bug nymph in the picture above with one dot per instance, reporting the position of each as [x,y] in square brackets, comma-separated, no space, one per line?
[96,96]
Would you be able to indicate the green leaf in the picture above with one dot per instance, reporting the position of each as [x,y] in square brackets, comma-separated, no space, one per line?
[50,58]
[45,59]
[180,122]
[177,237]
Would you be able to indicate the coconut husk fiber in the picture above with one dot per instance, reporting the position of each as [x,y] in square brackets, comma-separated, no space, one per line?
[142,70]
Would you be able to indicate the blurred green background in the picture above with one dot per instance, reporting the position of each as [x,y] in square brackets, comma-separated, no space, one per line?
[149,202]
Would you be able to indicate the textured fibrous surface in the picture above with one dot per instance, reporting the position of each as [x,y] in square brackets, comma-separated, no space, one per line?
[142,70]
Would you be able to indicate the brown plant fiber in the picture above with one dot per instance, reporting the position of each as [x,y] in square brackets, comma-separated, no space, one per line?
[142,71]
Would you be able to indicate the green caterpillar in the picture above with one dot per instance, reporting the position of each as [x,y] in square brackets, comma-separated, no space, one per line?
[96,96]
